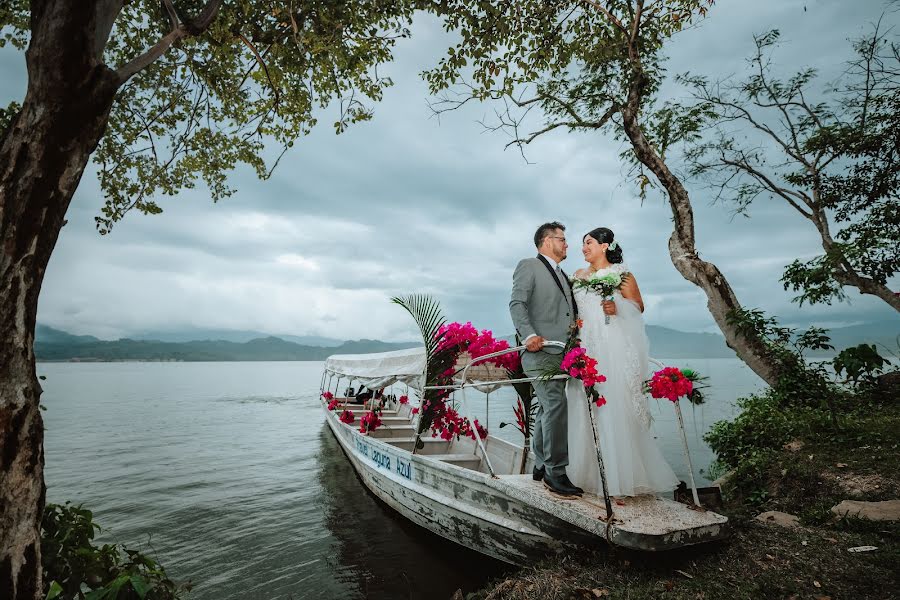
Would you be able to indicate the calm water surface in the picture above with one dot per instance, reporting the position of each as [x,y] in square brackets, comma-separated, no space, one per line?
[227,473]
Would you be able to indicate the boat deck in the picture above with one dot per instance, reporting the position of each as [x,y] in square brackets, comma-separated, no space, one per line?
[645,515]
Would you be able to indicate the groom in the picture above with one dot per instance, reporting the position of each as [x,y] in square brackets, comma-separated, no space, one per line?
[542,308]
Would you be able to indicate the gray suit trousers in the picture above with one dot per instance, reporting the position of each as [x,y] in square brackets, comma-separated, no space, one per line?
[551,429]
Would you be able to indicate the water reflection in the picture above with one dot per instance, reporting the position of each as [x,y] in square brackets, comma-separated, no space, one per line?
[380,554]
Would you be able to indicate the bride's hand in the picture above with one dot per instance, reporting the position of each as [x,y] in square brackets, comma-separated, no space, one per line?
[609,307]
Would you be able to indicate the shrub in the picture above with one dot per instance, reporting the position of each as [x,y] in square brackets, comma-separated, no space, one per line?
[76,569]
[762,425]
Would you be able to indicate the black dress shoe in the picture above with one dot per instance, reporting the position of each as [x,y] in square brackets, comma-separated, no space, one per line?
[538,473]
[558,487]
[565,479]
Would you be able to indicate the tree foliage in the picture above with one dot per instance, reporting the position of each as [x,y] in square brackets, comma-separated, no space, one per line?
[257,78]
[831,153]
[572,63]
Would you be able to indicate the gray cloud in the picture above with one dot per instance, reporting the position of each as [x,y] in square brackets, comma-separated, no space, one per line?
[411,203]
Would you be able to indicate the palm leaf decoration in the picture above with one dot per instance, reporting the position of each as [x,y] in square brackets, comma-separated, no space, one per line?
[426,311]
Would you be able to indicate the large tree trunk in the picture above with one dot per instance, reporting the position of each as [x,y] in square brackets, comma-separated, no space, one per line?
[42,156]
[721,299]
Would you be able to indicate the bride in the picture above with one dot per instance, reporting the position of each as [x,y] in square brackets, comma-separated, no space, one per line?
[634,464]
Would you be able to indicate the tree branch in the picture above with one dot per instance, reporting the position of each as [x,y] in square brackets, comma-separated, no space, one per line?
[190,27]
[767,183]
[612,18]
[571,124]
[265,69]
[173,16]
[635,25]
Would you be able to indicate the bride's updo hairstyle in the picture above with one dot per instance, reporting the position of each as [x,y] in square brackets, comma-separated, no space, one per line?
[605,236]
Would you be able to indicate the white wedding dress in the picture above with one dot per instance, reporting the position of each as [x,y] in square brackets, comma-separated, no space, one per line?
[634,464]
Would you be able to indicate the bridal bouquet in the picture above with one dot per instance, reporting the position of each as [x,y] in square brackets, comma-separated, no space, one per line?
[603,285]
[576,363]
[673,383]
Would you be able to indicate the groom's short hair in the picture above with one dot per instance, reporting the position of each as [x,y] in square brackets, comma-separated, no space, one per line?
[546,230]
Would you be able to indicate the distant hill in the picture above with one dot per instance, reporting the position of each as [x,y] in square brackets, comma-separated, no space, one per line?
[269,348]
[49,335]
[229,335]
[57,345]
[670,343]
[883,334]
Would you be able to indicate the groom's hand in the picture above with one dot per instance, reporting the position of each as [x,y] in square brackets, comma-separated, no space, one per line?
[534,343]
[609,307]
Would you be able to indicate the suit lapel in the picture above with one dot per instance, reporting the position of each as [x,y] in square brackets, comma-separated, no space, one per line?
[571,293]
[555,278]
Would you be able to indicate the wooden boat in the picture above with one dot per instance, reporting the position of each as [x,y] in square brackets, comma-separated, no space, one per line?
[473,493]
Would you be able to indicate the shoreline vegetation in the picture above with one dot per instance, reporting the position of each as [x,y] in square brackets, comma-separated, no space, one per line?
[788,460]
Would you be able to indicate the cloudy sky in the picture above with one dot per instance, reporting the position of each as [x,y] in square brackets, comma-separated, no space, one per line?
[409,203]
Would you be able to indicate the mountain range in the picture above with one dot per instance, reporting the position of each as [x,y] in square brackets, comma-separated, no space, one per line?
[247,345]
[57,345]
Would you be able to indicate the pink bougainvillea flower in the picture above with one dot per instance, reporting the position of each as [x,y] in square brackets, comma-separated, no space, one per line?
[670,383]
[369,421]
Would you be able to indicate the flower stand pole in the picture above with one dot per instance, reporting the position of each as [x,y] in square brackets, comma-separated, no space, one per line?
[687,454]
[609,510]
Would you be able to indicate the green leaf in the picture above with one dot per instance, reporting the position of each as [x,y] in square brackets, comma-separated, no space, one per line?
[116,585]
[98,594]
[54,591]
[140,586]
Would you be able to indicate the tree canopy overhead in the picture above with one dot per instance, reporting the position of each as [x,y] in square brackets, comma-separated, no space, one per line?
[576,61]
[195,102]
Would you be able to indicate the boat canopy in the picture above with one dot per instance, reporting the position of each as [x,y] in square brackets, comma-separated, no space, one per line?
[382,369]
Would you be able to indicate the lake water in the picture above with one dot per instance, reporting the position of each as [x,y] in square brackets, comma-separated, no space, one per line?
[227,473]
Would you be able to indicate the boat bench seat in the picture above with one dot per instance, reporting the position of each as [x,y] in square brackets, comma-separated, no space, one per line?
[432,445]
[468,461]
[396,421]
[390,430]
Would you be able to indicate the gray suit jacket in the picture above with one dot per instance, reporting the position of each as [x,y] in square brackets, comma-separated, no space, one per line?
[538,305]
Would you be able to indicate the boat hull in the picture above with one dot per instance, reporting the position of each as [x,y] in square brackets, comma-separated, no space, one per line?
[511,517]
[453,502]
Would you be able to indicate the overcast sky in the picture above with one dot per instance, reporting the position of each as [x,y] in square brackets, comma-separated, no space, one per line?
[408,203]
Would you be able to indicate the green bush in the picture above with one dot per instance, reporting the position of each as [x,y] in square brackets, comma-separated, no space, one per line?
[76,569]
[761,426]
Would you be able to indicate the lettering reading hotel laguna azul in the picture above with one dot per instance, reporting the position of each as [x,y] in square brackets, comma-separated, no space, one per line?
[383,461]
